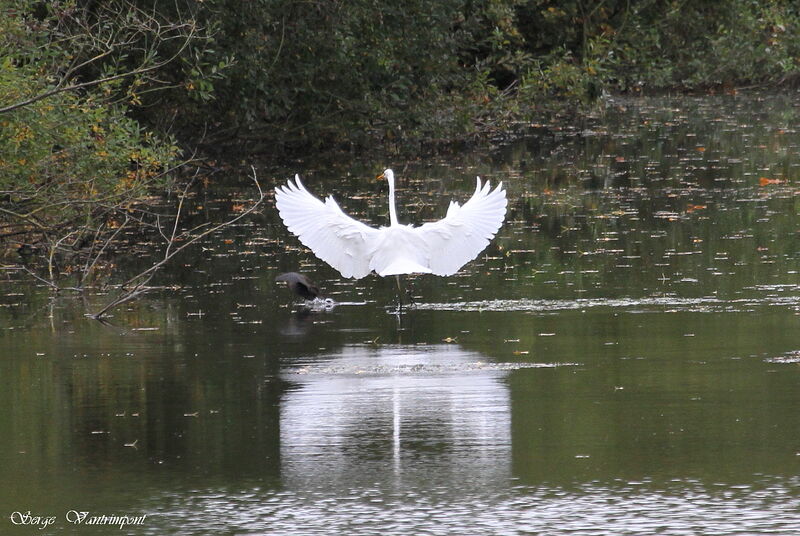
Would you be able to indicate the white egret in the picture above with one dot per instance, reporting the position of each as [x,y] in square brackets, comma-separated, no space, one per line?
[355,249]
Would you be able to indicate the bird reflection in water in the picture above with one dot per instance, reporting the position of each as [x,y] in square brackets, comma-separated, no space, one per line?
[395,415]
[299,323]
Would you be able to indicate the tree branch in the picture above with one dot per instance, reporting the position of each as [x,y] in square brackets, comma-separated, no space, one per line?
[142,278]
[61,89]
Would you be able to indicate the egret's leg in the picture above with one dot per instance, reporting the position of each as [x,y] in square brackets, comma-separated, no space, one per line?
[409,295]
[399,292]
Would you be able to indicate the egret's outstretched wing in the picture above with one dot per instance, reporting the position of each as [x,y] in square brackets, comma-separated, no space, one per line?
[332,235]
[465,231]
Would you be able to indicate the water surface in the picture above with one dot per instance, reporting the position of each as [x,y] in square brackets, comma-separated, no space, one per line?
[623,359]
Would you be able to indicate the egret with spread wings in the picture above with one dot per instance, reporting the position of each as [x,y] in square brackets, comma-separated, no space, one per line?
[356,249]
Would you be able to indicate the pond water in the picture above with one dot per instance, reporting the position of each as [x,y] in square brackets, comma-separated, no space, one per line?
[623,359]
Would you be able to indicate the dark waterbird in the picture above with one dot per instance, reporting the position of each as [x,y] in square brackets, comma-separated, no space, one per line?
[299,284]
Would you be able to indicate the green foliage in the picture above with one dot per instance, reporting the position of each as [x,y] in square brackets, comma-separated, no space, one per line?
[68,159]
[266,75]
[325,73]
[62,157]
[706,43]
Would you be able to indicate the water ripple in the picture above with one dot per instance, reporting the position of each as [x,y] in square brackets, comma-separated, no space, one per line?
[419,368]
[787,358]
[593,509]
[401,359]
[634,305]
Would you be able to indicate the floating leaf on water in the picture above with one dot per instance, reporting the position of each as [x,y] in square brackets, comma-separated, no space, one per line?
[692,208]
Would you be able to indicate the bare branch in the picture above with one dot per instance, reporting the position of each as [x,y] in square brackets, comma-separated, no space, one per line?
[32,274]
[88,268]
[141,279]
[139,290]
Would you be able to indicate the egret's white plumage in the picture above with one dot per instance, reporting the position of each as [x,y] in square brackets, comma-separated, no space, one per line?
[355,249]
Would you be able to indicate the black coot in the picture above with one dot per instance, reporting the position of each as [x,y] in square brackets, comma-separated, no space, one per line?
[300,285]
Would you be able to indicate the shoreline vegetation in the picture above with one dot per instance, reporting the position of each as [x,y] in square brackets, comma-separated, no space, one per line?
[108,108]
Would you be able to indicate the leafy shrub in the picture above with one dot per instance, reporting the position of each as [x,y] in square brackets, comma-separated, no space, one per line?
[69,160]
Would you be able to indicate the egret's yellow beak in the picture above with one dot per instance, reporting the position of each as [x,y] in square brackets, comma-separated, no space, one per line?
[379,177]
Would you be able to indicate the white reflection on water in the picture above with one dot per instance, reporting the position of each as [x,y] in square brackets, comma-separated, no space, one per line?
[393,416]
[408,440]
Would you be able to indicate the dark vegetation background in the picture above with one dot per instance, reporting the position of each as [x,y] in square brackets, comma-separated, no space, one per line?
[101,100]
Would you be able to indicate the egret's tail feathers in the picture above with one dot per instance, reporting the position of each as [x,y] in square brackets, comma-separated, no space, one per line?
[403,267]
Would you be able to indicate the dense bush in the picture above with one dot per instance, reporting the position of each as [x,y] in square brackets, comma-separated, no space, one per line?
[65,158]
[327,73]
[324,73]
[72,160]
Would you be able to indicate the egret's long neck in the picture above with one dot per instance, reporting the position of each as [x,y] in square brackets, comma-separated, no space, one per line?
[392,210]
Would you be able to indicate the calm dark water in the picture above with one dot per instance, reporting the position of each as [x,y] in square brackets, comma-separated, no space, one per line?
[623,359]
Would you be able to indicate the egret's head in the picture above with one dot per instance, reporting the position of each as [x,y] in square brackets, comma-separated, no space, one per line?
[387,174]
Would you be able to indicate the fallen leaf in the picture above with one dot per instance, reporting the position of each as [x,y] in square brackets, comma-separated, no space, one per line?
[692,208]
